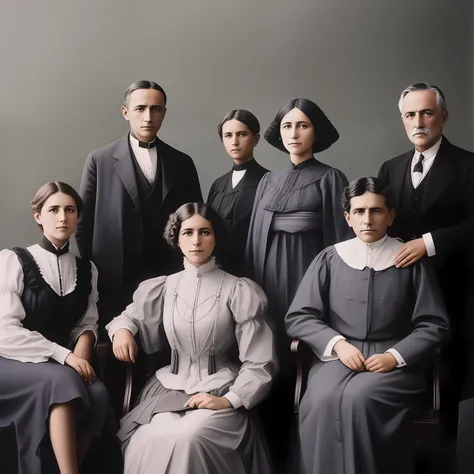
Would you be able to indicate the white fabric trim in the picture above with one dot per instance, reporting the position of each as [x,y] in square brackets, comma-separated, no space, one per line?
[429,243]
[329,353]
[377,255]
[397,355]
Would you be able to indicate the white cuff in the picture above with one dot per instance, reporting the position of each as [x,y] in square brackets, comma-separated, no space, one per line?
[329,354]
[398,357]
[117,324]
[234,399]
[59,353]
[429,243]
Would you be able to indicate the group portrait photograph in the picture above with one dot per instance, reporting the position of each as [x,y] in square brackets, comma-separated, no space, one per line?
[237,237]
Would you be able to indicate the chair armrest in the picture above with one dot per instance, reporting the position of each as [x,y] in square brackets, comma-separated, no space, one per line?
[436,383]
[102,353]
[294,348]
[127,396]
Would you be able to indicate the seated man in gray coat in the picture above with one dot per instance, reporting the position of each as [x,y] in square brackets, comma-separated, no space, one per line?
[372,327]
[129,188]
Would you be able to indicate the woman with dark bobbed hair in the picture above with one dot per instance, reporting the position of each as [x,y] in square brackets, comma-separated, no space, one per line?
[48,327]
[192,415]
[297,213]
[232,195]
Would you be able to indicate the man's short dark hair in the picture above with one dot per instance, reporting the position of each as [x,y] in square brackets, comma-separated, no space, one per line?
[360,186]
[142,85]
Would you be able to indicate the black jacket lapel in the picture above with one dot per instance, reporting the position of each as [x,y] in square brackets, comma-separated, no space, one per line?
[438,177]
[125,170]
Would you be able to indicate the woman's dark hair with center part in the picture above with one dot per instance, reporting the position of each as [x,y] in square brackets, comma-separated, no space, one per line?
[53,187]
[142,85]
[325,133]
[242,115]
[186,211]
[360,186]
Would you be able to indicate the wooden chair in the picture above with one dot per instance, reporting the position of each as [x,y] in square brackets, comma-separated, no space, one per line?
[430,409]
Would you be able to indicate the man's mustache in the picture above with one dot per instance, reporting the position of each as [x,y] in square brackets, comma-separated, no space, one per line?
[423,130]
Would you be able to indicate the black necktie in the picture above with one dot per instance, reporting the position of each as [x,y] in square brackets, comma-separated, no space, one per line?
[419,165]
[243,166]
[47,245]
[149,145]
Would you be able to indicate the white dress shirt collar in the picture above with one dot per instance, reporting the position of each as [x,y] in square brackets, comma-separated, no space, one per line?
[147,159]
[429,157]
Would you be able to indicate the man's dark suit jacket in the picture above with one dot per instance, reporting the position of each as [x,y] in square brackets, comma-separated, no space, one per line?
[447,211]
[110,230]
[236,212]
[447,205]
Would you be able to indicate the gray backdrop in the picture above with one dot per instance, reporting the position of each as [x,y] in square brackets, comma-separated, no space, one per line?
[66,64]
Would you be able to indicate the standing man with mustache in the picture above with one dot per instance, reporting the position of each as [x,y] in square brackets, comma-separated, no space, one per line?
[434,190]
[129,188]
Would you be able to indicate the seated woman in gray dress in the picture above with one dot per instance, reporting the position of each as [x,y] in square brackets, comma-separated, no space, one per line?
[372,328]
[48,327]
[192,415]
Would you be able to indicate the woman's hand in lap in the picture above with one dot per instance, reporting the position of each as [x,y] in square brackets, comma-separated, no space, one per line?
[81,366]
[381,363]
[124,346]
[205,400]
[349,355]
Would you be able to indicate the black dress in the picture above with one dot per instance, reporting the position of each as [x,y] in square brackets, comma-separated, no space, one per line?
[297,213]
[29,390]
[234,205]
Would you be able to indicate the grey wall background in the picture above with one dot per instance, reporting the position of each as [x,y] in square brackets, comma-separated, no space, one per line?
[66,65]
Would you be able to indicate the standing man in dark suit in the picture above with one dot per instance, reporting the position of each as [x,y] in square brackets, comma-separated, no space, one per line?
[232,195]
[434,191]
[129,188]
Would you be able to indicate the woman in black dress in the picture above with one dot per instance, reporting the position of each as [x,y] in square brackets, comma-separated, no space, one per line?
[49,395]
[297,213]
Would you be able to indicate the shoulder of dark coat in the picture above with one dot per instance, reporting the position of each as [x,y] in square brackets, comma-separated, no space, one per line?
[106,150]
[174,153]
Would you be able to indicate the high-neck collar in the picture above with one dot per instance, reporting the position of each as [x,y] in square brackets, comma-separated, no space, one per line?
[50,247]
[304,164]
[141,144]
[243,166]
[204,268]
[373,245]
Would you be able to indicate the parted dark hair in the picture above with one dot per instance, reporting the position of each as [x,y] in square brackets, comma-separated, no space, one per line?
[142,85]
[242,115]
[53,187]
[325,134]
[188,210]
[360,186]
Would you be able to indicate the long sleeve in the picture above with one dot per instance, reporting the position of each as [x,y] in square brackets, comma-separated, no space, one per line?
[144,315]
[191,187]
[306,316]
[87,191]
[253,238]
[88,322]
[335,228]
[429,320]
[17,342]
[248,304]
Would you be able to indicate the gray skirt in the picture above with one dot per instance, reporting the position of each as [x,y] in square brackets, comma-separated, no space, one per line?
[160,435]
[27,393]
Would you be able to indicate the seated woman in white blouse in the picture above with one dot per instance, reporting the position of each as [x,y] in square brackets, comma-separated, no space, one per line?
[192,415]
[48,326]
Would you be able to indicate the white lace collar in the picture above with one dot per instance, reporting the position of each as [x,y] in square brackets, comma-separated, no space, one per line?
[377,255]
